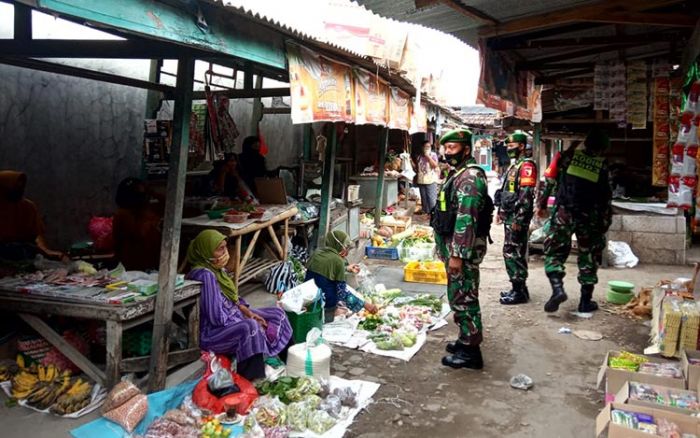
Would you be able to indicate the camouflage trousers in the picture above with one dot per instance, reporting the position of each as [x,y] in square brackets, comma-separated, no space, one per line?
[515,252]
[590,234]
[463,295]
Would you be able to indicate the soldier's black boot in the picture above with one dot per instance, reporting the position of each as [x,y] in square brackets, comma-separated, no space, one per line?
[587,304]
[465,356]
[558,294]
[517,295]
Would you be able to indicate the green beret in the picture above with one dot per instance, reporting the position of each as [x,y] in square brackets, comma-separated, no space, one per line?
[457,136]
[517,137]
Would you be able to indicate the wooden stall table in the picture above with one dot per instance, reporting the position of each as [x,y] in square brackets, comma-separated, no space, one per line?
[303,227]
[246,267]
[33,307]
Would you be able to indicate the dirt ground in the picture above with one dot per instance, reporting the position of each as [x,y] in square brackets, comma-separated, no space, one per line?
[422,398]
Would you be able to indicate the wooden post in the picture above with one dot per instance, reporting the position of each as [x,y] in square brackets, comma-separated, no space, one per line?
[379,201]
[257,107]
[324,223]
[172,224]
[153,98]
[23,23]
[307,141]
[536,140]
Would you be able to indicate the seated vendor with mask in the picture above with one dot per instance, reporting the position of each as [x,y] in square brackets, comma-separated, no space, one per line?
[327,267]
[21,227]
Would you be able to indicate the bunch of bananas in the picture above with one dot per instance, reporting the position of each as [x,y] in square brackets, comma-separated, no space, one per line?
[74,398]
[52,384]
[23,383]
[7,370]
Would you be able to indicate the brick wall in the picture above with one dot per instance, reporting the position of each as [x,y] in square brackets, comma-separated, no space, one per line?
[654,239]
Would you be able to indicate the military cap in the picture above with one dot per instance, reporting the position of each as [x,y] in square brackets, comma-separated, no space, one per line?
[457,136]
[517,137]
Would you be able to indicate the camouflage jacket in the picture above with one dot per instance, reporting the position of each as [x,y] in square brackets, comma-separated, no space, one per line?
[520,183]
[469,190]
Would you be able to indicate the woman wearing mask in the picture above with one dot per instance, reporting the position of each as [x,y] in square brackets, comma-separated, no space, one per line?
[328,267]
[227,324]
[428,170]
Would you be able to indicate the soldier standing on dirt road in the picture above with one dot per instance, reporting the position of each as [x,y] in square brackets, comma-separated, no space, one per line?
[461,220]
[517,199]
[583,206]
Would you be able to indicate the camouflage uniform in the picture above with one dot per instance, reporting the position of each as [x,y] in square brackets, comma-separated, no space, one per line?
[517,202]
[583,207]
[467,197]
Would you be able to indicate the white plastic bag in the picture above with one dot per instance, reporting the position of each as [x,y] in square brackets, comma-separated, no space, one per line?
[295,299]
[620,255]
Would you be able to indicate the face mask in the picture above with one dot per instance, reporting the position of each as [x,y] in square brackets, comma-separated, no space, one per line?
[222,261]
[454,159]
[513,153]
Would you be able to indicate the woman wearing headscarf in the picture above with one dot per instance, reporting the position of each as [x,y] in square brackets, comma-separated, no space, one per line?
[137,226]
[251,164]
[227,324]
[328,267]
[21,227]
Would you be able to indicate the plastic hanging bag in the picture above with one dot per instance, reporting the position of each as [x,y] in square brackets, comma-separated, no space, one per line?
[365,280]
[220,383]
[240,401]
[296,299]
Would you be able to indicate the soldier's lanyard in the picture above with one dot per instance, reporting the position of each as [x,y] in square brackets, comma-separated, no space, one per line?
[442,200]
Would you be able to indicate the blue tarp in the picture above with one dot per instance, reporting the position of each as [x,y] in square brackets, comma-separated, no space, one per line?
[158,404]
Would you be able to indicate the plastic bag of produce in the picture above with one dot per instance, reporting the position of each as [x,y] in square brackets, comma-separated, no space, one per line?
[241,401]
[320,422]
[269,412]
[120,394]
[297,416]
[100,230]
[129,414]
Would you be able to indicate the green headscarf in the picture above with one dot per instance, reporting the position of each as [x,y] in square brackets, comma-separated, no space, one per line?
[199,255]
[327,261]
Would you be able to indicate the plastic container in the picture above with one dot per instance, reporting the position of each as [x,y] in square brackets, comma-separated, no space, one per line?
[235,218]
[620,286]
[425,272]
[217,214]
[375,252]
[302,323]
[420,252]
[353,193]
[614,297]
[257,214]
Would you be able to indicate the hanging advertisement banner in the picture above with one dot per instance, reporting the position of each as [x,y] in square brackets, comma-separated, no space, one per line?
[371,99]
[399,110]
[419,119]
[662,133]
[321,89]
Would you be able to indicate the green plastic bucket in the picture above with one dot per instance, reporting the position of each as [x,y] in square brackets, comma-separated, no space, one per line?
[302,323]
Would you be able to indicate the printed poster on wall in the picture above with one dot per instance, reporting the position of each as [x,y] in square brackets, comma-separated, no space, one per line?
[371,99]
[322,90]
[399,110]
[419,119]
[662,133]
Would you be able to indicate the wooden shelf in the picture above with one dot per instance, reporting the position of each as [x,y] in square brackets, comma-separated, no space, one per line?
[254,267]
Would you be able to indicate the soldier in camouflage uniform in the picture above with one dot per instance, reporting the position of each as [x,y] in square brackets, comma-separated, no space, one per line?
[583,206]
[463,195]
[515,211]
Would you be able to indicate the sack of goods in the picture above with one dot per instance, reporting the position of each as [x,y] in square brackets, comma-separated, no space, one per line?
[312,358]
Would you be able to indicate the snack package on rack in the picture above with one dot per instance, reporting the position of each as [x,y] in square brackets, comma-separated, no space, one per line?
[690,167]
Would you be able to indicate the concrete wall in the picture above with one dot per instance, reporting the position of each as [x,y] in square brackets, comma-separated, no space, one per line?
[654,239]
[75,139]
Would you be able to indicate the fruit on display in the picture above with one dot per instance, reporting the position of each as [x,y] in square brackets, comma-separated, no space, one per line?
[212,428]
[77,397]
[52,384]
[23,384]
[7,371]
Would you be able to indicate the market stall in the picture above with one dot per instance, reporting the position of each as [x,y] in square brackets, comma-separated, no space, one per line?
[247,267]
[34,297]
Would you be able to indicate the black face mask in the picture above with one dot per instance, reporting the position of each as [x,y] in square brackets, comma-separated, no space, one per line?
[454,159]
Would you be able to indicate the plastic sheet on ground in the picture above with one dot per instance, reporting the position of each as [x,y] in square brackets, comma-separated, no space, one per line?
[158,404]
[98,396]
[344,333]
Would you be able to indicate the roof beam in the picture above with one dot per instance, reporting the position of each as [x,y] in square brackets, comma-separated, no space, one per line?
[552,79]
[456,5]
[559,66]
[655,19]
[112,49]
[522,43]
[50,67]
[617,8]
[574,55]
[247,94]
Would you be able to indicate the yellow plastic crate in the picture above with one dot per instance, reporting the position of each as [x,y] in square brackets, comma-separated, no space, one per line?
[425,272]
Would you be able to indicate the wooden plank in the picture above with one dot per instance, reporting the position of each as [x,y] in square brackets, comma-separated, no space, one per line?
[286,239]
[248,94]
[556,66]
[532,63]
[552,79]
[649,19]
[276,111]
[571,15]
[139,364]
[22,23]
[257,108]
[327,184]
[64,347]
[250,249]
[469,11]
[50,67]
[114,352]
[527,44]
[291,211]
[278,246]
[256,267]
[379,200]
[237,259]
[193,326]
[172,223]
[103,49]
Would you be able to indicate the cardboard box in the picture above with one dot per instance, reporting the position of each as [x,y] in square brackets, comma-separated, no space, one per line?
[623,396]
[271,191]
[691,372]
[685,423]
[616,379]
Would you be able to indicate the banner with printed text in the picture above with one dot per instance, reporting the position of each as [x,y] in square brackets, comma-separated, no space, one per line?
[399,110]
[321,89]
[371,99]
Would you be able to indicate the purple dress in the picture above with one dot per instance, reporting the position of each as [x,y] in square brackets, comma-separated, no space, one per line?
[225,330]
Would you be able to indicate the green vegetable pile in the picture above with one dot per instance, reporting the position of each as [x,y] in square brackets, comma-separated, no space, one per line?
[395,341]
[425,300]
[370,323]
[299,269]
[290,389]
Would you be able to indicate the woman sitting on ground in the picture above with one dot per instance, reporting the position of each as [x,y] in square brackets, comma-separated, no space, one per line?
[227,324]
[327,267]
